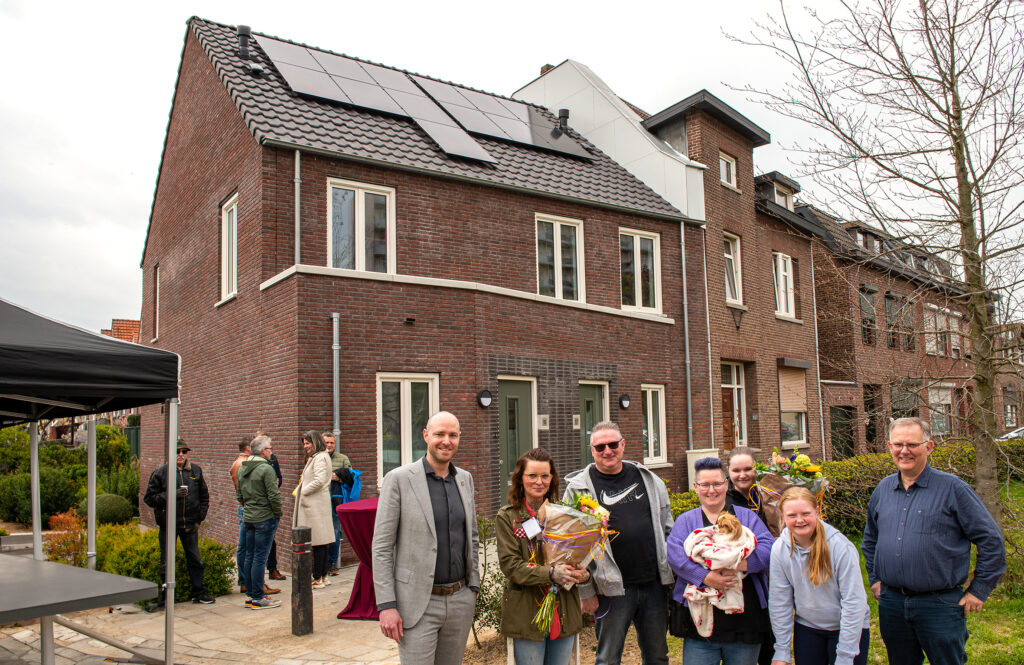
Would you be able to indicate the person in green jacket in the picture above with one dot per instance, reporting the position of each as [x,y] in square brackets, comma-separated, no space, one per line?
[534,481]
[261,512]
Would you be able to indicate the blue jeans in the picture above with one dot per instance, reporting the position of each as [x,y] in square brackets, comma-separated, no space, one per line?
[930,623]
[548,652]
[706,652]
[240,550]
[258,537]
[646,607]
[334,551]
[813,645]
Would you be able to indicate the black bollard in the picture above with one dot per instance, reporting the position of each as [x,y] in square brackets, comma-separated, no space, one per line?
[302,582]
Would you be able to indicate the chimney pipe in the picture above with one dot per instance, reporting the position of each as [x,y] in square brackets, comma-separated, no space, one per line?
[563,119]
[244,32]
[545,69]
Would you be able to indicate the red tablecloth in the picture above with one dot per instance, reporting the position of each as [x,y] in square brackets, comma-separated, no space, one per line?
[357,519]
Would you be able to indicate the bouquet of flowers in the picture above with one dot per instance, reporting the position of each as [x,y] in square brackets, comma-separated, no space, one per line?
[574,532]
[781,473]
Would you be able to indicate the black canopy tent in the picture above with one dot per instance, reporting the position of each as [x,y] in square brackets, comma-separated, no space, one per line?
[49,369]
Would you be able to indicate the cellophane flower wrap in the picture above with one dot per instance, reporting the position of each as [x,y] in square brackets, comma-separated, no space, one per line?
[574,532]
[778,475]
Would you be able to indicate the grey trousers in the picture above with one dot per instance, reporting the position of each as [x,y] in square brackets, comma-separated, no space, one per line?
[439,637]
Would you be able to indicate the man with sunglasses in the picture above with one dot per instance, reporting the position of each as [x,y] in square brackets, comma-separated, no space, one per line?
[634,578]
[917,548]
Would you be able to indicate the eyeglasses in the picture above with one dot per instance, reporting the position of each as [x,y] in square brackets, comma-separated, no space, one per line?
[911,447]
[614,445]
[706,486]
[533,477]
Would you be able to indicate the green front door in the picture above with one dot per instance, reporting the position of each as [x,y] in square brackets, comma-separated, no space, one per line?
[592,401]
[515,424]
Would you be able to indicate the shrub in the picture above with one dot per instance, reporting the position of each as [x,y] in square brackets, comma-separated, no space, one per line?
[57,494]
[112,449]
[487,613]
[57,455]
[123,481]
[124,550]
[66,542]
[3,532]
[680,502]
[13,449]
[110,509]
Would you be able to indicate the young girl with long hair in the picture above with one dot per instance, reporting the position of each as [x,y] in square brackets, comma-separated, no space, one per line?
[815,573]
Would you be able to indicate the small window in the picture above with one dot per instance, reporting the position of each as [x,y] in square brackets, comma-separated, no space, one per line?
[733,270]
[784,197]
[785,301]
[867,315]
[404,403]
[652,413]
[640,265]
[229,248]
[940,404]
[560,258]
[727,169]
[734,403]
[360,226]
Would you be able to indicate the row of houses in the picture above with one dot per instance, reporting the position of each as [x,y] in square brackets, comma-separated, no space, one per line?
[335,243]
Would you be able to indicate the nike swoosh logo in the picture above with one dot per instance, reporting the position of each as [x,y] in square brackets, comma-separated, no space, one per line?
[611,499]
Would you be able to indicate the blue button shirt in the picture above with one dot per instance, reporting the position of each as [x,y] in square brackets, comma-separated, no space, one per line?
[920,538]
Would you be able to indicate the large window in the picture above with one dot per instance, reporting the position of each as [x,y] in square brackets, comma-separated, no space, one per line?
[652,412]
[404,403]
[940,404]
[560,258]
[785,294]
[229,248]
[942,332]
[899,322]
[733,270]
[867,314]
[640,263]
[904,399]
[793,406]
[727,169]
[361,226]
[734,404]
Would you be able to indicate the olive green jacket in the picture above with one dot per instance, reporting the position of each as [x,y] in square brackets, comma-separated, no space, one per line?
[528,583]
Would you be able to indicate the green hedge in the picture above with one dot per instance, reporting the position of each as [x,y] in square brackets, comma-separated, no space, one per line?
[57,489]
[682,501]
[124,550]
[110,509]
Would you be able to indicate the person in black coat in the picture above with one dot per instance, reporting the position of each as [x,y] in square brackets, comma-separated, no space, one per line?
[193,500]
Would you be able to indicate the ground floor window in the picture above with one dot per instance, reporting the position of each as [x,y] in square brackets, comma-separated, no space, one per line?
[652,410]
[940,404]
[734,406]
[404,403]
[792,406]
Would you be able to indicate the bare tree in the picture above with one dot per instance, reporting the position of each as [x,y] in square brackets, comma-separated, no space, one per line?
[918,116]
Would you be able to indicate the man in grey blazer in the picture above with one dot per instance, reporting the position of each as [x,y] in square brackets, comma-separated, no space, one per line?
[426,508]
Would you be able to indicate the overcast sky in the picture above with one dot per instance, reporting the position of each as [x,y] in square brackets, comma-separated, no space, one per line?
[87,89]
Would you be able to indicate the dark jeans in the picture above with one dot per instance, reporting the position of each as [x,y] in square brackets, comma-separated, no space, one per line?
[258,537]
[646,607]
[320,561]
[930,623]
[335,548]
[240,549]
[812,645]
[272,557]
[189,543]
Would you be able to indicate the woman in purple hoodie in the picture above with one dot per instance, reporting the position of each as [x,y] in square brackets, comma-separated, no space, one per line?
[736,639]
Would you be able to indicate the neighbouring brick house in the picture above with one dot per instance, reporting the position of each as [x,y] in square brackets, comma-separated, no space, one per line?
[893,337]
[1009,389]
[544,274]
[758,296]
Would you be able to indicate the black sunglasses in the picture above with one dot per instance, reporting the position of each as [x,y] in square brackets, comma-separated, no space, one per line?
[614,445]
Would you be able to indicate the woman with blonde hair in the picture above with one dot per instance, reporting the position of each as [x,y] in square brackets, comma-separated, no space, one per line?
[313,503]
[815,574]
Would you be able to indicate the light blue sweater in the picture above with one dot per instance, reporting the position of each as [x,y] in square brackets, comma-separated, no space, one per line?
[840,603]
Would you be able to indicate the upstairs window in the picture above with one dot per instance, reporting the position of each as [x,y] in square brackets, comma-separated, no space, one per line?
[639,261]
[733,270]
[785,300]
[361,226]
[229,248]
[904,399]
[727,169]
[899,322]
[867,314]
[942,332]
[560,257]
[784,197]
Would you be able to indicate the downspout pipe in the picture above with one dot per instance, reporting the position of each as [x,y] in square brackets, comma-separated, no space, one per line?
[707,321]
[817,354]
[298,209]
[686,338]
[336,372]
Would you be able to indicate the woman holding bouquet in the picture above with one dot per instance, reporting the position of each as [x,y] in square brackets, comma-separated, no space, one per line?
[736,638]
[534,481]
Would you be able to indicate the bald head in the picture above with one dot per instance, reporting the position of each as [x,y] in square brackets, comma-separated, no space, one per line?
[441,415]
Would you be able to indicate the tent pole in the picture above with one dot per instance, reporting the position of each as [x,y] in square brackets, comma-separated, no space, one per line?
[46,650]
[91,519]
[170,528]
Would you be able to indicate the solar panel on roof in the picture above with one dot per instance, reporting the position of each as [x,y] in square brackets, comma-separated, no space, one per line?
[293,54]
[310,82]
[454,140]
[341,66]
[368,95]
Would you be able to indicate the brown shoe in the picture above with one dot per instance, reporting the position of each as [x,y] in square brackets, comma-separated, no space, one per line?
[241,588]
[333,572]
[275,574]
[270,591]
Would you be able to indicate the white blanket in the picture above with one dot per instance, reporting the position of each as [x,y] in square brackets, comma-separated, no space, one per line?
[715,551]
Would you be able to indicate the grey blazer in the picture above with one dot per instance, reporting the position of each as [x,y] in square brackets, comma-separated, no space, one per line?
[405,540]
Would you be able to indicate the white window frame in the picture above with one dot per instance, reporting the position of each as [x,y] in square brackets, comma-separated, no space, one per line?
[558,222]
[938,323]
[934,392]
[229,248]
[789,445]
[785,294]
[361,188]
[739,402]
[736,253]
[1009,415]
[636,235]
[787,197]
[405,407]
[730,162]
[647,391]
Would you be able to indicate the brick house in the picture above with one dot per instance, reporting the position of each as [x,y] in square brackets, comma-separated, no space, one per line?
[532,267]
[892,336]
[1009,389]
[759,337]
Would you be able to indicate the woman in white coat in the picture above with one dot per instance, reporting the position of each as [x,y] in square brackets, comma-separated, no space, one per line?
[313,503]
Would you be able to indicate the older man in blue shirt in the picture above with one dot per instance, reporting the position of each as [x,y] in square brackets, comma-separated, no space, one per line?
[917,548]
